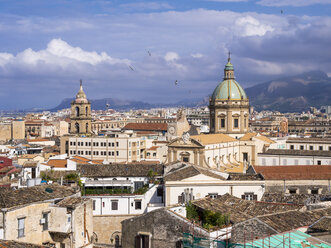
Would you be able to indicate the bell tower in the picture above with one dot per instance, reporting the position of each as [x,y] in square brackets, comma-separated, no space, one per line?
[80,118]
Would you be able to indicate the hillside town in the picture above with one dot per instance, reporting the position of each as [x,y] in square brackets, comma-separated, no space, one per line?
[222,175]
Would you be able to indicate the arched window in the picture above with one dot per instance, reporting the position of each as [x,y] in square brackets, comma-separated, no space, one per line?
[86,128]
[77,127]
[86,111]
[77,111]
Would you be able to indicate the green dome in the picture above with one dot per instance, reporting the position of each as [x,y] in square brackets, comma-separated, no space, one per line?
[229,89]
[228,66]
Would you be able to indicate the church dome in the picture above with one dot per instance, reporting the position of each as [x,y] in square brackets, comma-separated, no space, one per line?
[229,89]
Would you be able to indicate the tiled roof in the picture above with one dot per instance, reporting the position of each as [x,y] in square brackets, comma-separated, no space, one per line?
[265,139]
[308,140]
[300,199]
[286,152]
[322,225]
[37,140]
[58,163]
[80,159]
[72,202]
[153,148]
[119,170]
[244,177]
[146,126]
[241,210]
[248,136]
[189,170]
[30,164]
[207,139]
[16,244]
[293,219]
[295,172]
[12,198]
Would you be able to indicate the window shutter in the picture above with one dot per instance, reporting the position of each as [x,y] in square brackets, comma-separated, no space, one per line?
[137,242]
[255,197]
[243,197]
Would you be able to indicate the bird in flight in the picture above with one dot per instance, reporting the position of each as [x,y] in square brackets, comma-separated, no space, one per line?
[281,11]
[176,82]
[149,53]
[131,67]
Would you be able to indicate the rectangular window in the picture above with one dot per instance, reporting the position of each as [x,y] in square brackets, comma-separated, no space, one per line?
[45,219]
[236,123]
[142,241]
[314,191]
[114,205]
[329,148]
[301,147]
[117,144]
[293,191]
[319,162]
[117,153]
[93,205]
[21,227]
[137,204]
[292,147]
[222,123]
[245,156]
[320,148]
[311,148]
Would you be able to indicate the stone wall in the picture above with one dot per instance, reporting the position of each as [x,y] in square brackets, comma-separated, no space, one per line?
[106,227]
[165,229]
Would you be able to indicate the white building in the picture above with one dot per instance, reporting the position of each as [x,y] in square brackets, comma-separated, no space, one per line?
[116,147]
[185,182]
[294,157]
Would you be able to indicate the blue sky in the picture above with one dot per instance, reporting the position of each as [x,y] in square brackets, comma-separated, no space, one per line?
[47,46]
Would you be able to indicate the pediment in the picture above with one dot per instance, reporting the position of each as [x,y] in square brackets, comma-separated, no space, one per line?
[179,142]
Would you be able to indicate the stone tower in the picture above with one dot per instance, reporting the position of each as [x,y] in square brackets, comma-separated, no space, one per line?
[229,106]
[80,118]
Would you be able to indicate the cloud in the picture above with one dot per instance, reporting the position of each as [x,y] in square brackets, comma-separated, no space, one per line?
[249,26]
[146,6]
[188,46]
[294,3]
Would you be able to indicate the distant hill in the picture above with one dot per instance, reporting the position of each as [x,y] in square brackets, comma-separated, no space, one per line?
[288,94]
[100,104]
[291,94]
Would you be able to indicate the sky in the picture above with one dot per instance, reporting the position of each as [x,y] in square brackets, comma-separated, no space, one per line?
[136,50]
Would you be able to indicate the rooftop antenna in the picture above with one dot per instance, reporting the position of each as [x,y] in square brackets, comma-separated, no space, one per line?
[81,82]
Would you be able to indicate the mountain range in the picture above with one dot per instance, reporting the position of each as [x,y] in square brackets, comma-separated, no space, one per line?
[287,94]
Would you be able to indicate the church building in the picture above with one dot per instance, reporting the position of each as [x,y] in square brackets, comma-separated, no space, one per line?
[80,118]
[229,147]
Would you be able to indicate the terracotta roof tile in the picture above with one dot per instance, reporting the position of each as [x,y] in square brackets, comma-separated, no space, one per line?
[58,163]
[206,139]
[146,126]
[295,172]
